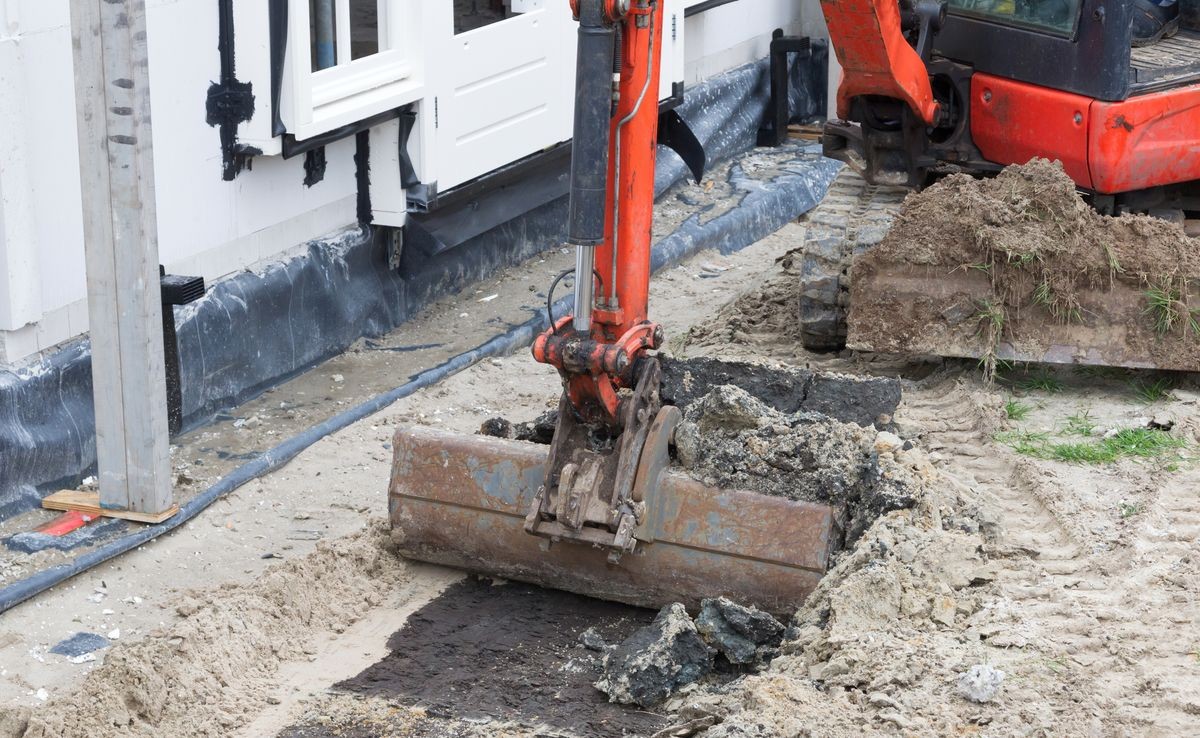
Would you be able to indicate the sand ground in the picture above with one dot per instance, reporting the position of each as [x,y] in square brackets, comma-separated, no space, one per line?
[1090,604]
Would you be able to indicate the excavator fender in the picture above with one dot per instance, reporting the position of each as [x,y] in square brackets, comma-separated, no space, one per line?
[876,59]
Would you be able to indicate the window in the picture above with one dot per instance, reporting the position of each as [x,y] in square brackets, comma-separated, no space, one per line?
[349,60]
[472,14]
[1055,16]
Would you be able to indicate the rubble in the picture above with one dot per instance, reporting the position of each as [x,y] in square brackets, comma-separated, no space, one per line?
[743,635]
[593,641]
[731,439]
[540,430]
[656,660]
[980,683]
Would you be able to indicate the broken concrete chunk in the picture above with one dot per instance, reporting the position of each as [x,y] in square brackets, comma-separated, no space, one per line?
[980,683]
[888,443]
[731,408]
[656,660]
[741,634]
[593,641]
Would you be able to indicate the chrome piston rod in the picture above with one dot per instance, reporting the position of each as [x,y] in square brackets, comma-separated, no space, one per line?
[585,282]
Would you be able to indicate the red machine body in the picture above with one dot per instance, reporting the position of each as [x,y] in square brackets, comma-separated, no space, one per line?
[1146,141]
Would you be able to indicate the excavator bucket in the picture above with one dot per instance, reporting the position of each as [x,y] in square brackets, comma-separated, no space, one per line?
[463,501]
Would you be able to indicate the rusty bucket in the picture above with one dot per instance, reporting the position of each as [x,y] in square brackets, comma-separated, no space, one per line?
[462,501]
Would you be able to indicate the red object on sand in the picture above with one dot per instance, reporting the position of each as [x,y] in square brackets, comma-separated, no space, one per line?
[66,523]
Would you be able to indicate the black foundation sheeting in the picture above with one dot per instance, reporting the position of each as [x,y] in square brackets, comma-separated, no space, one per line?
[257,329]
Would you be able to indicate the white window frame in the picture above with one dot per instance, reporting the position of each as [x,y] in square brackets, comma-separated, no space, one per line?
[320,101]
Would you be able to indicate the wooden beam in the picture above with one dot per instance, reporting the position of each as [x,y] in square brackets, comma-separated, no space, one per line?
[116,165]
[89,504]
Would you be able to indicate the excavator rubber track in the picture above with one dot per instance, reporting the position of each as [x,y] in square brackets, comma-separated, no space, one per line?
[853,217]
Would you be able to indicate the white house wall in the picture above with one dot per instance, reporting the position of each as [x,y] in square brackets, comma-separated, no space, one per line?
[210,227]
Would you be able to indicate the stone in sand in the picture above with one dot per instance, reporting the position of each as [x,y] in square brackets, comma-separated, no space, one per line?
[656,660]
[744,635]
[980,683]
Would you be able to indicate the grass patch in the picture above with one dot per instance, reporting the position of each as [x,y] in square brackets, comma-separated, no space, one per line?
[1128,510]
[1026,443]
[1015,410]
[1080,424]
[1166,308]
[1041,381]
[1149,391]
[1130,443]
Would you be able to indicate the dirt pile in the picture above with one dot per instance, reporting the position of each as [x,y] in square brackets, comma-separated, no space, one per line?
[1030,220]
[1019,266]
[887,634]
[212,671]
[731,439]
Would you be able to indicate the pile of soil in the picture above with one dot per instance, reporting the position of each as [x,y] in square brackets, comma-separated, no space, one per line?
[731,439]
[879,646]
[1029,220]
[1027,252]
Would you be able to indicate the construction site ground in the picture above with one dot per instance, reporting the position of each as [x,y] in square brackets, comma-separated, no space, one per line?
[281,610]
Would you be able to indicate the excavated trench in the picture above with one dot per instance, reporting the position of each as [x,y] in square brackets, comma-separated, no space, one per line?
[498,658]
[501,654]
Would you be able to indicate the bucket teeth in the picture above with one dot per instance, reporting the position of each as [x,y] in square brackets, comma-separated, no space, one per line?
[462,501]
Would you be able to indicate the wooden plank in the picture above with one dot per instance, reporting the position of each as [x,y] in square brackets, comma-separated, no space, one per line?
[807,132]
[112,92]
[88,503]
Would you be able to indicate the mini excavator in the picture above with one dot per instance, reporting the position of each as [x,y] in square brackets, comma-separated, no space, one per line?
[598,511]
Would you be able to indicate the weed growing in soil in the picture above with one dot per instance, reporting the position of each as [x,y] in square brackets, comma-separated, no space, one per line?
[1131,442]
[1015,410]
[1167,309]
[1080,425]
[991,319]
[1151,392]
[1066,309]
[1027,443]
[1128,510]
[1041,381]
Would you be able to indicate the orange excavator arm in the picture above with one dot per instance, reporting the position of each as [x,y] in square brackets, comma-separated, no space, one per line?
[612,200]
[876,58]
[600,511]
